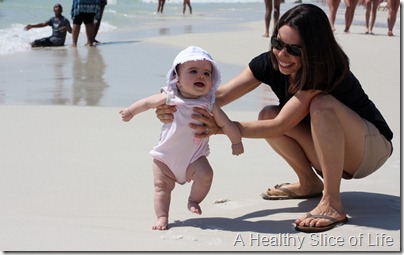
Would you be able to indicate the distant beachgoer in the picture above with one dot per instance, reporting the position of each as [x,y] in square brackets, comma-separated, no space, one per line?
[268,14]
[392,6]
[160,6]
[184,6]
[371,8]
[98,18]
[179,156]
[84,11]
[60,26]
[349,13]
[333,5]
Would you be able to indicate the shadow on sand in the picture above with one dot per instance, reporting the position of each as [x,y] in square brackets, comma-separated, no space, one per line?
[364,209]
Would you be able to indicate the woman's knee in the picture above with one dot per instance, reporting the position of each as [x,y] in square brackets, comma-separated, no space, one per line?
[269,112]
[321,103]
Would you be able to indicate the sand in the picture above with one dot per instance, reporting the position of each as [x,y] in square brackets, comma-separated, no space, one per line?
[76,178]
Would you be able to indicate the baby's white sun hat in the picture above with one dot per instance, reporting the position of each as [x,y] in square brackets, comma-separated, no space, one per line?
[193,53]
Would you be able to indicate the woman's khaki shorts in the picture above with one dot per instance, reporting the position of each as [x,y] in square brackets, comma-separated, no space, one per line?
[377,150]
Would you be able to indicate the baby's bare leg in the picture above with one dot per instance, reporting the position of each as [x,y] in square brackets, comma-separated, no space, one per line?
[201,173]
[164,182]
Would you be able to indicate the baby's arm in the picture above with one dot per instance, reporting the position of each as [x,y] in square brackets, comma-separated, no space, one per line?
[142,105]
[229,129]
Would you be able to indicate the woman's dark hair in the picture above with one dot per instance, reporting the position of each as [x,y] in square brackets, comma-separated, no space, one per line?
[324,63]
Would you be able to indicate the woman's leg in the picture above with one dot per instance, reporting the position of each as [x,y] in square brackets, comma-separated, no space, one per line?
[392,6]
[349,13]
[277,11]
[333,6]
[375,5]
[268,13]
[339,141]
[368,4]
[296,147]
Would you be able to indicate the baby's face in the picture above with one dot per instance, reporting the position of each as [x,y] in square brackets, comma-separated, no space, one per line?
[194,78]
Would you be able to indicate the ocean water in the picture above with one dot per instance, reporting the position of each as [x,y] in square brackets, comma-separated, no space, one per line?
[122,16]
[123,69]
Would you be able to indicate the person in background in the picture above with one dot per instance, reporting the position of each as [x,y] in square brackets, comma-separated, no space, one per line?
[98,18]
[371,8]
[60,26]
[333,6]
[160,6]
[392,6]
[268,14]
[325,126]
[84,11]
[184,6]
[349,13]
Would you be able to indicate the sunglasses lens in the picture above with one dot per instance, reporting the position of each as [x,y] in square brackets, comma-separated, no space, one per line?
[291,49]
[276,43]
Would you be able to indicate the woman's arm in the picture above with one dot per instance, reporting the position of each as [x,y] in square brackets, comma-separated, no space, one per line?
[240,85]
[290,115]
[237,87]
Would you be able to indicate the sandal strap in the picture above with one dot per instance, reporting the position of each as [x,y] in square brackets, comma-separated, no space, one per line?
[315,216]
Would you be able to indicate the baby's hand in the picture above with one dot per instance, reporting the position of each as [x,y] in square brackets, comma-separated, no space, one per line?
[126,114]
[237,148]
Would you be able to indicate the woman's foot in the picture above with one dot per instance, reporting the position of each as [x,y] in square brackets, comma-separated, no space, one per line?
[194,207]
[294,191]
[332,214]
[161,224]
[390,33]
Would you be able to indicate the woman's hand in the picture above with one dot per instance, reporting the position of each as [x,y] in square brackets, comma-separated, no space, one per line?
[209,126]
[165,113]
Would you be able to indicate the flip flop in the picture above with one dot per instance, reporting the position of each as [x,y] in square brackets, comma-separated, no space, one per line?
[314,229]
[288,194]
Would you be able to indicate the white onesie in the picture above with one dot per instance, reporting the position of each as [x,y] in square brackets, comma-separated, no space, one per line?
[177,147]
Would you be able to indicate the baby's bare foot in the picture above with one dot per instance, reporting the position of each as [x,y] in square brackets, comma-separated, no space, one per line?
[194,207]
[161,224]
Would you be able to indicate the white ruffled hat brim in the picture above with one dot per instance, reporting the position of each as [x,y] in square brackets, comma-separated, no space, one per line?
[193,53]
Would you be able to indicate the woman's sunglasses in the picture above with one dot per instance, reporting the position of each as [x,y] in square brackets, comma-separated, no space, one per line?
[293,50]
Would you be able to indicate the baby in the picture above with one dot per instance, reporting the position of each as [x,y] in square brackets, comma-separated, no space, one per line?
[179,156]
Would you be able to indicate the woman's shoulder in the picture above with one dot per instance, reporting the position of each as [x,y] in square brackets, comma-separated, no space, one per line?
[262,68]
[260,62]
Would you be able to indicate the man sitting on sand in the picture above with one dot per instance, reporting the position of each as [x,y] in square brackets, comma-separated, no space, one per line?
[60,25]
